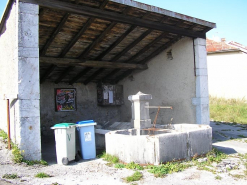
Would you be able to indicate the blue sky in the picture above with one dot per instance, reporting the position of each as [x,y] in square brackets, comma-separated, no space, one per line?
[230,16]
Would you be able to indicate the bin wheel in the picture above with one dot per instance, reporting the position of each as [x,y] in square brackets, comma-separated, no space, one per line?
[65,161]
[77,157]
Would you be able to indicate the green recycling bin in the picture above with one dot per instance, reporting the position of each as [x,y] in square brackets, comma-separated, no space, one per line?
[65,142]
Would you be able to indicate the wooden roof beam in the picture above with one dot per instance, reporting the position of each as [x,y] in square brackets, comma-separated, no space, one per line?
[96,41]
[47,73]
[130,46]
[158,51]
[147,47]
[54,34]
[120,39]
[89,63]
[81,32]
[112,16]
[79,75]
[64,74]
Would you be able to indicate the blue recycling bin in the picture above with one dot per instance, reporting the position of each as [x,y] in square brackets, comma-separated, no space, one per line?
[87,138]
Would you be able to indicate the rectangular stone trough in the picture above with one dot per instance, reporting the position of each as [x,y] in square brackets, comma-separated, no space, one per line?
[162,145]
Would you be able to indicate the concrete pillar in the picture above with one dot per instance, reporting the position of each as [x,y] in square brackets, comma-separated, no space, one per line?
[27,116]
[202,97]
[140,110]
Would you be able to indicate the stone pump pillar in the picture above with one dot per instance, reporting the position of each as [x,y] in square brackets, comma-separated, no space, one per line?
[140,110]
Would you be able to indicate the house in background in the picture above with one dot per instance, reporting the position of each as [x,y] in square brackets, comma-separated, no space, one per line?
[73,60]
[227,69]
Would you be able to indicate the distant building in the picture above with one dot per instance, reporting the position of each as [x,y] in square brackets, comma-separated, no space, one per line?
[227,69]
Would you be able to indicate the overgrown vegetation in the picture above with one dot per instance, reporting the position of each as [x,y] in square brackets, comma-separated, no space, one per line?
[18,154]
[10,176]
[110,158]
[162,170]
[228,110]
[168,168]
[42,175]
[135,177]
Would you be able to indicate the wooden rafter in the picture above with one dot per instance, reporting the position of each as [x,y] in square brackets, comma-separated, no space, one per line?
[112,16]
[99,71]
[81,32]
[77,36]
[130,46]
[120,39]
[158,51]
[79,75]
[64,73]
[147,47]
[47,73]
[54,34]
[89,63]
[96,41]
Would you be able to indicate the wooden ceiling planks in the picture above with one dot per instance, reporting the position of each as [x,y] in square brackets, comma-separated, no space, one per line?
[69,30]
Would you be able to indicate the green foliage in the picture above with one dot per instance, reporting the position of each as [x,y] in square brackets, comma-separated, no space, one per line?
[228,110]
[30,163]
[17,153]
[242,136]
[3,134]
[110,158]
[119,165]
[135,177]
[168,168]
[10,176]
[215,156]
[17,156]
[133,166]
[217,177]
[42,175]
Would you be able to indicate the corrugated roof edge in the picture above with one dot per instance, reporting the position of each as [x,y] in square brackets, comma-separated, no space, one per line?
[164,12]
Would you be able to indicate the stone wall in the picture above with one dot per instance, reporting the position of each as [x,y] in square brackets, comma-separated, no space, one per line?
[170,82]
[87,108]
[20,68]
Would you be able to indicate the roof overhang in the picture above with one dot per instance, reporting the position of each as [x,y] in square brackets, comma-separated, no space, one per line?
[104,40]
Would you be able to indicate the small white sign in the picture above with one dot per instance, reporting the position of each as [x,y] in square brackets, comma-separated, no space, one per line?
[87,136]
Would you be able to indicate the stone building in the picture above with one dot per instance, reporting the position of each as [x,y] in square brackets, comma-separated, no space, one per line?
[72,60]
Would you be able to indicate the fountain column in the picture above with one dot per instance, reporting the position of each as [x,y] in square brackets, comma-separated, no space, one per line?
[140,110]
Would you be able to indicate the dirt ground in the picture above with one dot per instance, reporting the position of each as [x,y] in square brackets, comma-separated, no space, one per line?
[96,172]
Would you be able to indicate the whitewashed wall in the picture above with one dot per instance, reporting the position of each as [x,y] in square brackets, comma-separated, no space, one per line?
[227,74]
[8,68]
[170,82]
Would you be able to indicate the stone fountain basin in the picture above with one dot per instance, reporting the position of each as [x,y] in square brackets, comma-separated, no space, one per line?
[162,145]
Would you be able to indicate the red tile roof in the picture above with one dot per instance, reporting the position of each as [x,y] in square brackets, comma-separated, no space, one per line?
[213,46]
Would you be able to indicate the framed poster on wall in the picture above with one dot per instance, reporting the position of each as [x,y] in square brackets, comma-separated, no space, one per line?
[65,99]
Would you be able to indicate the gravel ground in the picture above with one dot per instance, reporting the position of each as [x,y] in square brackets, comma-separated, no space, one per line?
[96,172]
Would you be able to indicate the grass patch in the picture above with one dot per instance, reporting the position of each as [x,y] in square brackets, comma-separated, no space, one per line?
[217,177]
[242,136]
[228,110]
[168,168]
[10,176]
[110,158]
[133,166]
[135,177]
[17,153]
[3,134]
[42,175]
[119,165]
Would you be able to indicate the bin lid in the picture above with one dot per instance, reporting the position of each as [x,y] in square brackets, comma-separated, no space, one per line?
[63,125]
[85,122]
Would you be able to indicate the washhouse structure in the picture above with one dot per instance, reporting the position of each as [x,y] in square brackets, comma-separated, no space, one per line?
[72,60]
